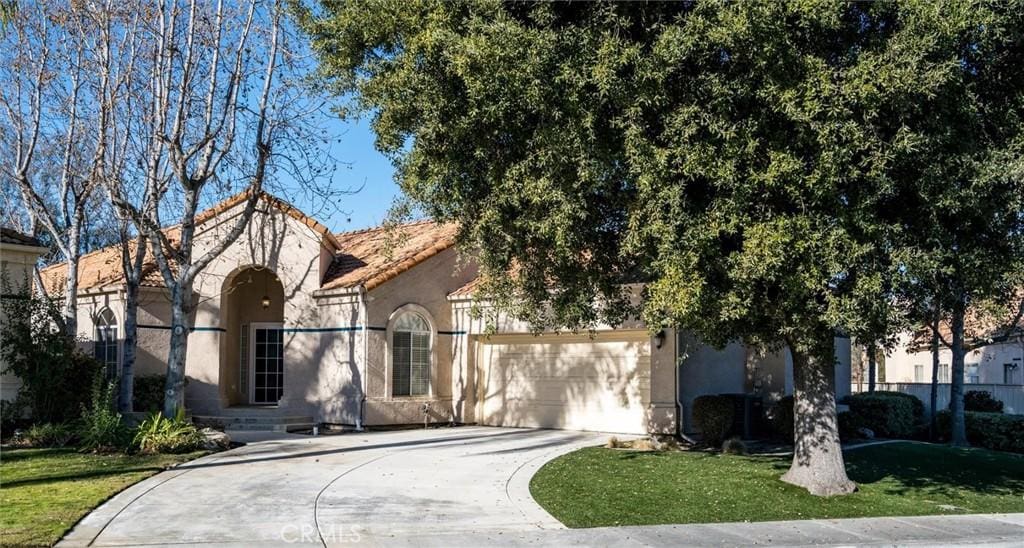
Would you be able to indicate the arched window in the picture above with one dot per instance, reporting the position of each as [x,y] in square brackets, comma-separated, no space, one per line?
[105,341]
[410,355]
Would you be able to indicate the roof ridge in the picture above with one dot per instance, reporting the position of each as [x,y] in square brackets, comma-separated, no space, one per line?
[384,226]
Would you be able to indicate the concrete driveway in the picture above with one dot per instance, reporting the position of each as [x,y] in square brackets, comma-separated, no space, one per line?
[360,488]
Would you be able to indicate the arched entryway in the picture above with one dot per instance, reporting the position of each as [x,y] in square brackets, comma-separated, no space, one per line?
[252,312]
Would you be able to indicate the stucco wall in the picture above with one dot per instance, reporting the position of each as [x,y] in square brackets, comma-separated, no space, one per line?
[990,360]
[16,264]
[314,359]
[426,285]
[739,369]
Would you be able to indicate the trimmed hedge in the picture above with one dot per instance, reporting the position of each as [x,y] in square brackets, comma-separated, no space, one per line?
[980,400]
[887,414]
[782,421]
[994,431]
[714,415]
[781,418]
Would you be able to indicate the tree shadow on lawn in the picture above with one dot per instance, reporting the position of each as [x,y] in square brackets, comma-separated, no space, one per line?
[80,475]
[932,469]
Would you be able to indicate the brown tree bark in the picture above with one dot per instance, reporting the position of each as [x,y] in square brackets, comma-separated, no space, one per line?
[958,437]
[818,464]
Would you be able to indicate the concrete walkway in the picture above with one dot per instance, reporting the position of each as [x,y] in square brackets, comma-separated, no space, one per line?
[466,486]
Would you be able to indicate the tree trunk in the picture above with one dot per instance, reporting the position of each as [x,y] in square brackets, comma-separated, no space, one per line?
[817,454]
[958,437]
[131,339]
[934,396]
[174,388]
[872,365]
[69,311]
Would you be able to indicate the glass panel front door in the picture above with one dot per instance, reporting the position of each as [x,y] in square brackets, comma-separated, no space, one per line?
[268,365]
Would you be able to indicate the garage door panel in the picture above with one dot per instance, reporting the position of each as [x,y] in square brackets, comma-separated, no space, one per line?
[591,385]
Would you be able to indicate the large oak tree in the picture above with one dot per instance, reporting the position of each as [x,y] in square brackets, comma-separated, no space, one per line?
[736,157]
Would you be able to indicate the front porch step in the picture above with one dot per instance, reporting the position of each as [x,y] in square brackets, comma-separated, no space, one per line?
[258,422]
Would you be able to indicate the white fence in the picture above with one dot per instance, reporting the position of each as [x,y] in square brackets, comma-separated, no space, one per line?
[1012,395]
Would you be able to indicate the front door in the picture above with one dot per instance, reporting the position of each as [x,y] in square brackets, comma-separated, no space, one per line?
[267,364]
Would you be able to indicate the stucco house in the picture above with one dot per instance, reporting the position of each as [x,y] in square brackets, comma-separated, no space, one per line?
[297,324]
[910,361]
[18,256]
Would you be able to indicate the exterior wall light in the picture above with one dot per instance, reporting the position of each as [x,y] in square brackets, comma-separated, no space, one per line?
[659,338]
[265,301]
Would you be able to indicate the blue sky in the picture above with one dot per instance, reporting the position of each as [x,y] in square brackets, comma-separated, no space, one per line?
[353,145]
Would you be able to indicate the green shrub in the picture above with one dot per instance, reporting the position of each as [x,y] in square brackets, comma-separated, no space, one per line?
[148,393]
[157,434]
[994,431]
[46,435]
[982,401]
[848,424]
[734,446]
[887,414]
[780,417]
[52,369]
[101,429]
[714,415]
[12,416]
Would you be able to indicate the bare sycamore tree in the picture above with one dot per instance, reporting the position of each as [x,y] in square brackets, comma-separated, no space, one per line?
[216,108]
[53,128]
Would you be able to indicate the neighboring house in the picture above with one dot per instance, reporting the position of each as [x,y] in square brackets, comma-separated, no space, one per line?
[1001,362]
[18,256]
[374,327]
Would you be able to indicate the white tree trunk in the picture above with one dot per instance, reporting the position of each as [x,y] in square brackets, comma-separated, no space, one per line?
[818,464]
[174,387]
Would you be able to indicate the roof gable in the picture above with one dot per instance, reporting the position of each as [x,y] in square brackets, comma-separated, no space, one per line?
[102,268]
[373,256]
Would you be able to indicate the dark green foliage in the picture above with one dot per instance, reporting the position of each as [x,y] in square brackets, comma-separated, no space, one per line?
[101,428]
[46,435]
[53,371]
[148,393]
[848,425]
[994,431]
[887,414]
[158,434]
[713,416]
[781,418]
[12,417]
[982,401]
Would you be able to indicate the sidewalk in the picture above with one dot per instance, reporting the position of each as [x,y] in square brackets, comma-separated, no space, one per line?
[976,530]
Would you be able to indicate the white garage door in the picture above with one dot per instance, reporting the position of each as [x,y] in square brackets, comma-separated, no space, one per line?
[566,381]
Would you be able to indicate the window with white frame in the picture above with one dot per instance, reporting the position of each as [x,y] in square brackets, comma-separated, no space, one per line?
[410,355]
[105,341]
[918,373]
[1010,373]
[971,375]
[943,372]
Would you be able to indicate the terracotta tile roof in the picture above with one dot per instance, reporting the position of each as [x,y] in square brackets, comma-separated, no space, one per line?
[373,256]
[11,236]
[102,268]
[466,290]
[978,327]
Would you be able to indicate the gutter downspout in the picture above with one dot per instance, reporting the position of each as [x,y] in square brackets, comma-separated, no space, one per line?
[678,363]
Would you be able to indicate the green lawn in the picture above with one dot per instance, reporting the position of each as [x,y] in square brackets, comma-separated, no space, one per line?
[596,487]
[43,492]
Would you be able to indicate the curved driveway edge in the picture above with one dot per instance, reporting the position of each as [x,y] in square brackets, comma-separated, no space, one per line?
[371,487]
